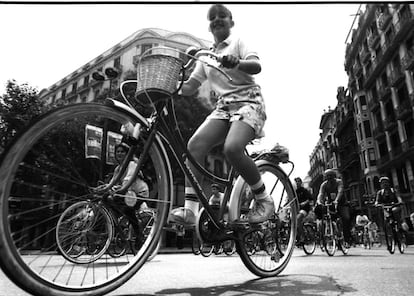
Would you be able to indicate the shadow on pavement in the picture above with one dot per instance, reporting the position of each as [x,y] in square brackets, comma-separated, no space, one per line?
[292,285]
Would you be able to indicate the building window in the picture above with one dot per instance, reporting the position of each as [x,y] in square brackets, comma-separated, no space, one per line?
[367,129]
[218,168]
[145,47]
[74,86]
[86,80]
[371,157]
[117,62]
[63,93]
[363,103]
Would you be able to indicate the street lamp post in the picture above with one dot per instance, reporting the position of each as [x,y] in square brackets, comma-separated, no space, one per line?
[109,74]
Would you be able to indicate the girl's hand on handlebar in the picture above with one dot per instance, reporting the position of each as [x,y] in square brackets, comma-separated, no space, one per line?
[229,61]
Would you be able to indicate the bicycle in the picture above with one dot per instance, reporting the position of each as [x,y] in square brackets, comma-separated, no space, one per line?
[392,232]
[328,230]
[71,177]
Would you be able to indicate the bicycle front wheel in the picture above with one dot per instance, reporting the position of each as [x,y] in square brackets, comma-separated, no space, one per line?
[389,237]
[273,243]
[401,240]
[329,238]
[309,234]
[52,165]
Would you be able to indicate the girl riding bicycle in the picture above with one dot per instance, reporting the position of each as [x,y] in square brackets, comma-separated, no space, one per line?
[237,119]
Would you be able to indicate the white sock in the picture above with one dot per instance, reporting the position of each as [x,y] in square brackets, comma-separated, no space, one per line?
[191,201]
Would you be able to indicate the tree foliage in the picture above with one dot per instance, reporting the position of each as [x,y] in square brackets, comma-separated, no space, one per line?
[18,106]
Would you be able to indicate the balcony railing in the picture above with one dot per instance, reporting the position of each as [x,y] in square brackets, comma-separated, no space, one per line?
[390,124]
[357,69]
[83,88]
[378,132]
[365,54]
[408,60]
[374,105]
[404,110]
[397,76]
[404,25]
[384,92]
[373,40]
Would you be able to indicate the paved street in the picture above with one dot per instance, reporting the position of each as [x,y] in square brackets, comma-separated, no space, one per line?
[361,272]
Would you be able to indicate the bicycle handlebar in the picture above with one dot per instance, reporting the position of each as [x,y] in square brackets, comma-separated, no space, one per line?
[195,55]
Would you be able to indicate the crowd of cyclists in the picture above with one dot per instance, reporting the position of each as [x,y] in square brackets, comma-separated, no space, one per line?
[357,228]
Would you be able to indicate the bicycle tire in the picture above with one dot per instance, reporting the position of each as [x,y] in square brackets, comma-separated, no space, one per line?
[195,246]
[206,249]
[329,238]
[48,157]
[341,238]
[95,232]
[229,250]
[273,250]
[119,244]
[401,240]
[389,237]
[309,235]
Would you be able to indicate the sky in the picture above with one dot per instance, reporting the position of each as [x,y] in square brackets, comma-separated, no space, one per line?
[301,47]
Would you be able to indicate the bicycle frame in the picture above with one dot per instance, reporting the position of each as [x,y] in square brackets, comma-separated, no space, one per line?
[163,124]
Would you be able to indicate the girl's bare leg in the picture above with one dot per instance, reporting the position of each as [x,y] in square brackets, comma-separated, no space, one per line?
[240,134]
[211,133]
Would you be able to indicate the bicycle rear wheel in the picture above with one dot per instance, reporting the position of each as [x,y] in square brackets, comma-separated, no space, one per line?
[53,164]
[309,235]
[389,237]
[274,241]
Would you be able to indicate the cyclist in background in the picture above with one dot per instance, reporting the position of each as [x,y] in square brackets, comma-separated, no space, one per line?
[238,118]
[388,195]
[305,201]
[331,190]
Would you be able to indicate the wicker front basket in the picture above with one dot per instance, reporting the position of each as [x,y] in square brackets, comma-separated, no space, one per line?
[157,76]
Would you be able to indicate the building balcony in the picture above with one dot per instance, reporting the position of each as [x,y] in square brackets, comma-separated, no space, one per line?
[71,96]
[357,69]
[390,124]
[374,105]
[395,152]
[83,88]
[383,160]
[408,60]
[404,110]
[364,54]
[378,133]
[405,24]
[95,83]
[373,40]
[384,92]
[397,76]
[383,21]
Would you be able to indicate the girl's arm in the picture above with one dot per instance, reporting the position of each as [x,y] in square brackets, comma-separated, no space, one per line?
[189,87]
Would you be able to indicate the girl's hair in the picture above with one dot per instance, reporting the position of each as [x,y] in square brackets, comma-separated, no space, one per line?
[122,145]
[215,7]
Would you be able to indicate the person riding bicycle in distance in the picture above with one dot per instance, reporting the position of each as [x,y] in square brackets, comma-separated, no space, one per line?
[387,196]
[238,118]
[331,191]
[305,200]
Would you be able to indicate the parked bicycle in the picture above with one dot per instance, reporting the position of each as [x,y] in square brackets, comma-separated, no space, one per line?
[392,231]
[51,151]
